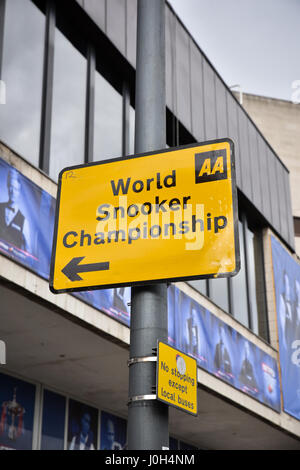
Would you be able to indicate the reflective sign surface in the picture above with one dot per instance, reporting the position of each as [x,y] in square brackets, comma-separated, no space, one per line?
[169,215]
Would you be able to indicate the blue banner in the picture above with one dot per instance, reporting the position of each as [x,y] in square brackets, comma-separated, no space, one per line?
[113,432]
[26,220]
[82,426]
[26,231]
[287,292]
[221,350]
[53,421]
[17,399]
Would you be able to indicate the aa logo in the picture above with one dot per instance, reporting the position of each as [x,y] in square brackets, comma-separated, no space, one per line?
[210,166]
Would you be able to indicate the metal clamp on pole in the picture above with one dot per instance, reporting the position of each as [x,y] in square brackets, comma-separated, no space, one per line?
[136,360]
[141,398]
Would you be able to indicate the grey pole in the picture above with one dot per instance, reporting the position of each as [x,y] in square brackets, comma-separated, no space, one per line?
[148,426]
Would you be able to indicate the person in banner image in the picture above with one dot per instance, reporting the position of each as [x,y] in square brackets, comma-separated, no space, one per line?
[111,443]
[247,375]
[84,438]
[193,331]
[14,227]
[222,361]
[119,301]
[286,312]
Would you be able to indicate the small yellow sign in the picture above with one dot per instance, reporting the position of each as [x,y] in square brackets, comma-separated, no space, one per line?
[164,216]
[176,378]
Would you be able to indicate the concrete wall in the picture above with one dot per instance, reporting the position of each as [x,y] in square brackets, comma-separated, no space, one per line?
[279,121]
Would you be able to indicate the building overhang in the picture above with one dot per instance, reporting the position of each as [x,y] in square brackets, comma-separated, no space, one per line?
[48,345]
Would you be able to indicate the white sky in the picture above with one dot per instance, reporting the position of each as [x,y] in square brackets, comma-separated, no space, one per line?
[254,43]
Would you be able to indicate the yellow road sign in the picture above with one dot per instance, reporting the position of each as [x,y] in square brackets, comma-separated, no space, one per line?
[176,382]
[161,216]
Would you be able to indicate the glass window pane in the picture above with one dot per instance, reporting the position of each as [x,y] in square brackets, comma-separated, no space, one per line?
[252,279]
[256,278]
[199,285]
[218,292]
[24,29]
[131,129]
[53,430]
[68,108]
[17,400]
[239,286]
[108,121]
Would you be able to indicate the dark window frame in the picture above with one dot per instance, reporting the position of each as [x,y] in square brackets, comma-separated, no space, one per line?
[90,104]
[47,87]
[86,46]
[41,5]
[2,16]
[297,226]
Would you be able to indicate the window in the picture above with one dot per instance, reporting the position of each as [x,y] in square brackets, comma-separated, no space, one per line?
[20,117]
[68,106]
[53,425]
[297,226]
[256,280]
[131,129]
[200,286]
[250,249]
[108,120]
[218,292]
[239,286]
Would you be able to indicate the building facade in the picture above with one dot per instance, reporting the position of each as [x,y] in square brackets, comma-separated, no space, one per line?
[279,120]
[68,70]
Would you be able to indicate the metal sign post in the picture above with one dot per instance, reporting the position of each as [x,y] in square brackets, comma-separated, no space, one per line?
[148,419]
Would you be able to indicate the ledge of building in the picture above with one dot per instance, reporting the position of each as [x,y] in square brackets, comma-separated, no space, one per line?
[266,99]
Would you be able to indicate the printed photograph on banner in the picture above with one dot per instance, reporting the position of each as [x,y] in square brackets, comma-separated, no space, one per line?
[270,381]
[287,293]
[120,307]
[248,367]
[222,351]
[82,426]
[113,432]
[192,337]
[16,413]
[224,341]
[23,206]
[114,302]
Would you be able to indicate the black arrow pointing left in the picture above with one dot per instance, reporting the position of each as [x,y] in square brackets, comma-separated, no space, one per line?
[72,269]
